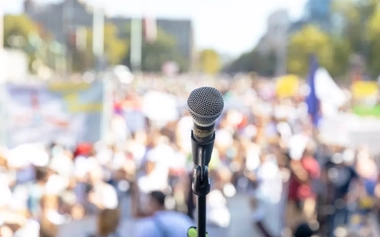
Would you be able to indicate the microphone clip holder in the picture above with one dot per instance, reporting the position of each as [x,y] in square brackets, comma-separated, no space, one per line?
[202,152]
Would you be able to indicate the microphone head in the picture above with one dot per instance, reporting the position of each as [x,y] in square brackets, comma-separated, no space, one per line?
[205,105]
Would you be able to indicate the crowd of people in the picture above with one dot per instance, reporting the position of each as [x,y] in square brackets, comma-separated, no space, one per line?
[138,182]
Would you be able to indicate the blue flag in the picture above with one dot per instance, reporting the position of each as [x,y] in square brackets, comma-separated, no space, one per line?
[312,101]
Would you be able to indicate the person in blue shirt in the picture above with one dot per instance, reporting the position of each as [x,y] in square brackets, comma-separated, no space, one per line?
[160,222]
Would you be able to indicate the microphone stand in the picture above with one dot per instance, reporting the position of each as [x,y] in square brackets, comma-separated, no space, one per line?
[202,152]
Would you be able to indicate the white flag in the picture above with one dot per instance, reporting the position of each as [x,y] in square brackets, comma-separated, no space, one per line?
[150,28]
[328,92]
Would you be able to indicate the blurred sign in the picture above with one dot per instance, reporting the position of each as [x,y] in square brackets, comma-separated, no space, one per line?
[287,86]
[352,131]
[67,113]
[364,89]
[160,107]
[367,110]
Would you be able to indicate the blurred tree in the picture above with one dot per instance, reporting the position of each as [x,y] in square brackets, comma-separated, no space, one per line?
[244,63]
[357,35]
[18,25]
[373,29]
[353,22]
[125,35]
[341,56]
[155,54]
[164,49]
[114,49]
[356,15]
[309,40]
[210,61]
[22,33]
[254,61]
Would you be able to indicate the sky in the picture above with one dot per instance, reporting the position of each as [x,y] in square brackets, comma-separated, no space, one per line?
[229,26]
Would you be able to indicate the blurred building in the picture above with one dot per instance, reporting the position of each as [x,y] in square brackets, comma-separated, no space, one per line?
[316,12]
[64,19]
[276,34]
[275,39]
[181,30]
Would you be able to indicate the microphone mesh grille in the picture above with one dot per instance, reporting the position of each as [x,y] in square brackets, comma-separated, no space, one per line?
[205,105]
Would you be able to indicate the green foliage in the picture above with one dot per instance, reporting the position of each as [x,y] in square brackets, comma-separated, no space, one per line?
[309,40]
[353,22]
[155,54]
[116,46]
[115,49]
[359,35]
[18,25]
[254,61]
[374,43]
[210,61]
[342,52]
[361,30]
[22,27]
[164,49]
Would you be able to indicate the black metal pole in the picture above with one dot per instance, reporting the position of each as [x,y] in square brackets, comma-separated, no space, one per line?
[201,183]
[201,208]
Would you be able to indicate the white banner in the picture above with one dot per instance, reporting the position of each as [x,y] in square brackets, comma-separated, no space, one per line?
[67,113]
[352,131]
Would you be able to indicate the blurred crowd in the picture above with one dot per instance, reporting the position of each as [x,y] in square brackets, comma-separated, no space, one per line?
[265,147]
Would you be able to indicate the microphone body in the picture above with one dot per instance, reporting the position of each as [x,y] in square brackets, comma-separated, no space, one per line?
[202,138]
[205,106]
[203,134]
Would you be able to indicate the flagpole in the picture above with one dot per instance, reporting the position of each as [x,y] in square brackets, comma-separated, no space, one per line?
[136,44]
[98,34]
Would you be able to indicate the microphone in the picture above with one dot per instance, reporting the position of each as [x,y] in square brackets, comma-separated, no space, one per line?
[205,106]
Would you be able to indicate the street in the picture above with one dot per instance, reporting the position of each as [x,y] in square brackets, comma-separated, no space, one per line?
[241,224]
[240,221]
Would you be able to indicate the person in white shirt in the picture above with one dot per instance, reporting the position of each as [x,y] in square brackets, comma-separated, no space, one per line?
[83,165]
[268,195]
[156,173]
[101,194]
[185,124]
[160,223]
[62,164]
[6,231]
[30,229]
[6,193]
[218,216]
